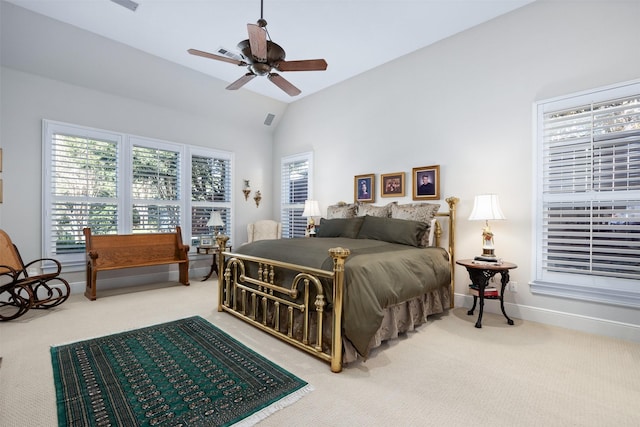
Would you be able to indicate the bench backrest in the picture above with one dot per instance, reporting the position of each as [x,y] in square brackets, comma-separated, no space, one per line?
[122,250]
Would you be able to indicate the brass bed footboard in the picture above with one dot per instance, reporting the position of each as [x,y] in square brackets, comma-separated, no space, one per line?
[279,308]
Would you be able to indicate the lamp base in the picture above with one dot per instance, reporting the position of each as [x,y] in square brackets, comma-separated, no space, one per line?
[488,254]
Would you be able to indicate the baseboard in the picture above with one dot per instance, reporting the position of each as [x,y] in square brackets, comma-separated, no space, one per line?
[593,325]
[117,279]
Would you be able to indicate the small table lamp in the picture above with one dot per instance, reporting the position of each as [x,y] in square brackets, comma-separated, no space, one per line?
[215,221]
[486,207]
[311,209]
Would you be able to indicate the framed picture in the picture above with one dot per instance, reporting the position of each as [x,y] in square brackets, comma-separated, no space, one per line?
[392,184]
[363,188]
[426,183]
[206,241]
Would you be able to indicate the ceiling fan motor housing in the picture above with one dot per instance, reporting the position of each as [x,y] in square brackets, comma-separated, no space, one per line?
[275,54]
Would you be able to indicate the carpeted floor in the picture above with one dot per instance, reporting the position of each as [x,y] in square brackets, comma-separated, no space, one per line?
[447,373]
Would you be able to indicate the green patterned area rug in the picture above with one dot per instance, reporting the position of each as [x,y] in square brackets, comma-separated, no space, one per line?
[181,373]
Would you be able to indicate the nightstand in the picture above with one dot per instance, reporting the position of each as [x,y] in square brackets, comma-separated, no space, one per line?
[480,273]
[214,264]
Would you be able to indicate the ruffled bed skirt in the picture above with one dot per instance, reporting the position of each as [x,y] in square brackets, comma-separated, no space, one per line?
[402,318]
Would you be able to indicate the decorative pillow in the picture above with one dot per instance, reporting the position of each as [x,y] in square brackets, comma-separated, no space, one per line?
[380,211]
[342,210]
[339,227]
[405,232]
[423,212]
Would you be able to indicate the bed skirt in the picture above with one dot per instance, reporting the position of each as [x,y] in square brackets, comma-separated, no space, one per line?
[402,318]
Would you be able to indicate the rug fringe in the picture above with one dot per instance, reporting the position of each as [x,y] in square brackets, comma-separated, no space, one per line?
[288,400]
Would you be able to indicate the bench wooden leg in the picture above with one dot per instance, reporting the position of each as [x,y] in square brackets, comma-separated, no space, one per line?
[184,273]
[90,290]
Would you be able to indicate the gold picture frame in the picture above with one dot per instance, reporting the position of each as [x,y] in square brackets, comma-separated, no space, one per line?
[392,184]
[426,183]
[364,187]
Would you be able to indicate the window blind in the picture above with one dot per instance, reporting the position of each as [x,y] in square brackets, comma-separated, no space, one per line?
[210,191]
[589,215]
[592,156]
[155,174]
[295,173]
[84,190]
[119,183]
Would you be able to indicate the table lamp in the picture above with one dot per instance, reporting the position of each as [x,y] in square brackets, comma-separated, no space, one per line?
[311,209]
[215,221]
[486,207]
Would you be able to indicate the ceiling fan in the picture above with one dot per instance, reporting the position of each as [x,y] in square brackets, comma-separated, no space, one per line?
[262,57]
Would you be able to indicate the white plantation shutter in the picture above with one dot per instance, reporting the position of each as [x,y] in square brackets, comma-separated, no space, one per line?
[155,189]
[294,189]
[83,183]
[589,196]
[118,183]
[210,191]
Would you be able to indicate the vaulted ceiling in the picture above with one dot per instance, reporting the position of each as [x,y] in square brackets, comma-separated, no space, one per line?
[352,35]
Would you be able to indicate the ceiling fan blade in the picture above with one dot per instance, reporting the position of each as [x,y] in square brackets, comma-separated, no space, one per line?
[216,57]
[304,65]
[283,84]
[258,42]
[241,81]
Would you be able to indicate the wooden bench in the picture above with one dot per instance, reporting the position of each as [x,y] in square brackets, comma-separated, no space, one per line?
[116,251]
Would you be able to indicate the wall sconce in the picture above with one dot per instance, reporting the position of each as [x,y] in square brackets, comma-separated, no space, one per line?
[246,189]
[486,207]
[257,198]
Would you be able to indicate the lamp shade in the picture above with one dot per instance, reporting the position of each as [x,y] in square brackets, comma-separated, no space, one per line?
[486,207]
[215,220]
[311,209]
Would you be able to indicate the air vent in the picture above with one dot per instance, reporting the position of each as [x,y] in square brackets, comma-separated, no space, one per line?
[269,119]
[131,5]
[224,52]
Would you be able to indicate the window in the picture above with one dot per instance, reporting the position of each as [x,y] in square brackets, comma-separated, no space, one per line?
[118,183]
[155,188]
[210,190]
[295,184]
[588,210]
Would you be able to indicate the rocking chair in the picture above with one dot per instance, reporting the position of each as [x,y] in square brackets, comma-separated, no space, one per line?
[20,292]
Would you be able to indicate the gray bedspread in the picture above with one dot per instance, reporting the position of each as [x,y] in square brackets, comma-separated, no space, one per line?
[377,275]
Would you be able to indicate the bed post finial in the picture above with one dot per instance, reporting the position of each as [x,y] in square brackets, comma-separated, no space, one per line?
[339,256]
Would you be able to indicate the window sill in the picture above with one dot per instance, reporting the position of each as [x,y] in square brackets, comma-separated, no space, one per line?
[586,293]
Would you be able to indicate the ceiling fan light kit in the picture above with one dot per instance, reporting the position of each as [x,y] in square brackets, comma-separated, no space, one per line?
[262,57]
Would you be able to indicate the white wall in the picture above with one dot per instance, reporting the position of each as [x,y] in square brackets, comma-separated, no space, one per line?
[54,71]
[466,104]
